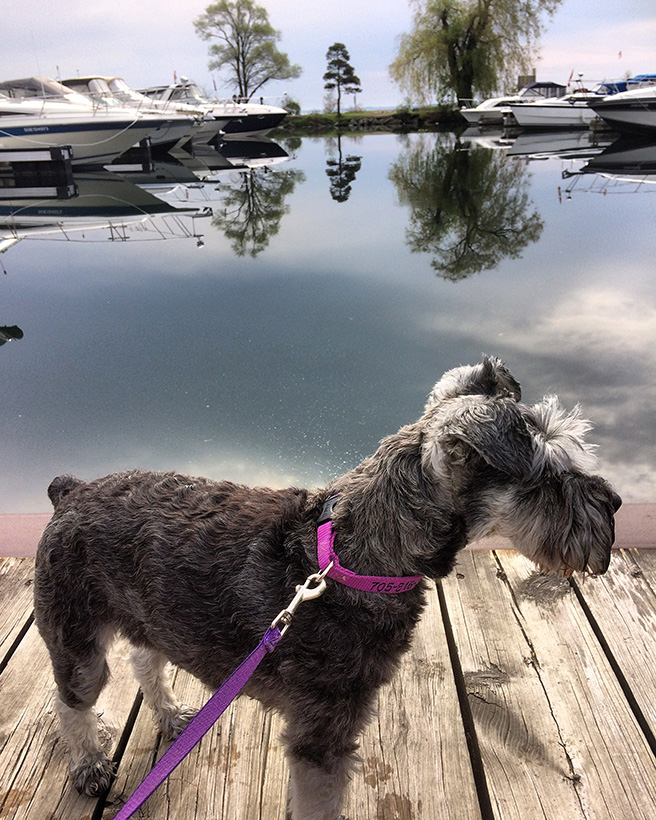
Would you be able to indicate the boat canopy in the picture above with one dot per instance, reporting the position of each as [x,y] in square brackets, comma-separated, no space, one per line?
[33,87]
[547,89]
[40,87]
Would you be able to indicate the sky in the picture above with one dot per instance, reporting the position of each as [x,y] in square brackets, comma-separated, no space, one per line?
[150,42]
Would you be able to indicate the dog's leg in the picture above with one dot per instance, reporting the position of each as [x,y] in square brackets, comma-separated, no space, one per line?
[316,793]
[152,674]
[80,679]
[321,740]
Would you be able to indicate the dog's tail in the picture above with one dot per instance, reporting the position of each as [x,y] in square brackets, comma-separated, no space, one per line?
[60,487]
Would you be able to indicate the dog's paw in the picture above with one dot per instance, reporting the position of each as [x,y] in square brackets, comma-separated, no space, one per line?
[174,724]
[93,776]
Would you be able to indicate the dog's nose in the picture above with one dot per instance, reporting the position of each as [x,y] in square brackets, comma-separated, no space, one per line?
[617,502]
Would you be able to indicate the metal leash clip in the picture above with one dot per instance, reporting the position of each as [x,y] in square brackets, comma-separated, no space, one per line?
[304,592]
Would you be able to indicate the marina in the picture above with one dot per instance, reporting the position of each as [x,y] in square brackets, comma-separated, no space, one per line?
[318,288]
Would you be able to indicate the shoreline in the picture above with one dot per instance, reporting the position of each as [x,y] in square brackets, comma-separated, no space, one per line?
[402,120]
[635,529]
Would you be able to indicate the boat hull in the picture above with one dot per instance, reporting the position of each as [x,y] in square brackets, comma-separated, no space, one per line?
[255,124]
[94,140]
[559,116]
[629,116]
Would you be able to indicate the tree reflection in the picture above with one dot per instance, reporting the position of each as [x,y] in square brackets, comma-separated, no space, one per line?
[254,208]
[470,206]
[341,171]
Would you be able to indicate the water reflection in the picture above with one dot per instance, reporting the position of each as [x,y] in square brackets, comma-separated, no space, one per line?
[341,171]
[137,198]
[469,207]
[627,165]
[253,209]
[288,368]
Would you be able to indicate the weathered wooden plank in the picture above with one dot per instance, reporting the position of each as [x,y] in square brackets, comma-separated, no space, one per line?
[16,577]
[623,604]
[415,758]
[33,763]
[613,769]
[527,771]
[237,770]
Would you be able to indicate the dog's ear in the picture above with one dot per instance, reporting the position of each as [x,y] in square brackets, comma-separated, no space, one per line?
[489,378]
[492,428]
[560,436]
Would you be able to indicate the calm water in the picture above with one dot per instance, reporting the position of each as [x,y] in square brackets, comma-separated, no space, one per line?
[308,309]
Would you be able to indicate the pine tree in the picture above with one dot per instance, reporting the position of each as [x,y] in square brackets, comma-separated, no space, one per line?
[340,73]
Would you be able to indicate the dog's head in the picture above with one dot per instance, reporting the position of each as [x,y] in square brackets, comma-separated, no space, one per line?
[518,471]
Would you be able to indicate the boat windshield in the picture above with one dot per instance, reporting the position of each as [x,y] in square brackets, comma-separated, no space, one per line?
[189,92]
[122,90]
[94,87]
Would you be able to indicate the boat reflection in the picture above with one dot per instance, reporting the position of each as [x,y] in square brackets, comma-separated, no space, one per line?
[131,199]
[628,165]
[565,144]
[600,162]
[540,144]
[96,205]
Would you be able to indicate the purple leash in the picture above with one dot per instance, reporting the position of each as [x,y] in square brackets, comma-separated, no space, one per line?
[223,697]
[200,725]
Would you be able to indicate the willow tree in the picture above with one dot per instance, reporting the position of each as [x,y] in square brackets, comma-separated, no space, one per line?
[469,47]
[245,48]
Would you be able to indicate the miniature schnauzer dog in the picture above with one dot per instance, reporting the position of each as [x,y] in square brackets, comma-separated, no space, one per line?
[192,571]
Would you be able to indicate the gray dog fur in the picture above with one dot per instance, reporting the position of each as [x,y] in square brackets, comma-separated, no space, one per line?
[193,571]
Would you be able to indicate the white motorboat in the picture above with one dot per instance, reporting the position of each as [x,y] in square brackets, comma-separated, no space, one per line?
[629,111]
[180,130]
[251,119]
[570,111]
[204,125]
[94,139]
[40,113]
[492,111]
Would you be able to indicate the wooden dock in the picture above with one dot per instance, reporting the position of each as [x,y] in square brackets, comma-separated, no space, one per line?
[523,697]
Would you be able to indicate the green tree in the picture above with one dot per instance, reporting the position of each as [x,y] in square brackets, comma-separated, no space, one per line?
[246,49]
[340,73]
[468,47]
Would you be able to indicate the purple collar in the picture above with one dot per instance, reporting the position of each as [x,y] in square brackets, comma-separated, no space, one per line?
[366,583]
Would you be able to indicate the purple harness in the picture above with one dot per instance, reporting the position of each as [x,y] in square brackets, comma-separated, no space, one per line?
[329,568]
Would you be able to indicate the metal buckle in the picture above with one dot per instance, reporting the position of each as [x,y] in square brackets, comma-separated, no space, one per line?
[304,592]
[327,511]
